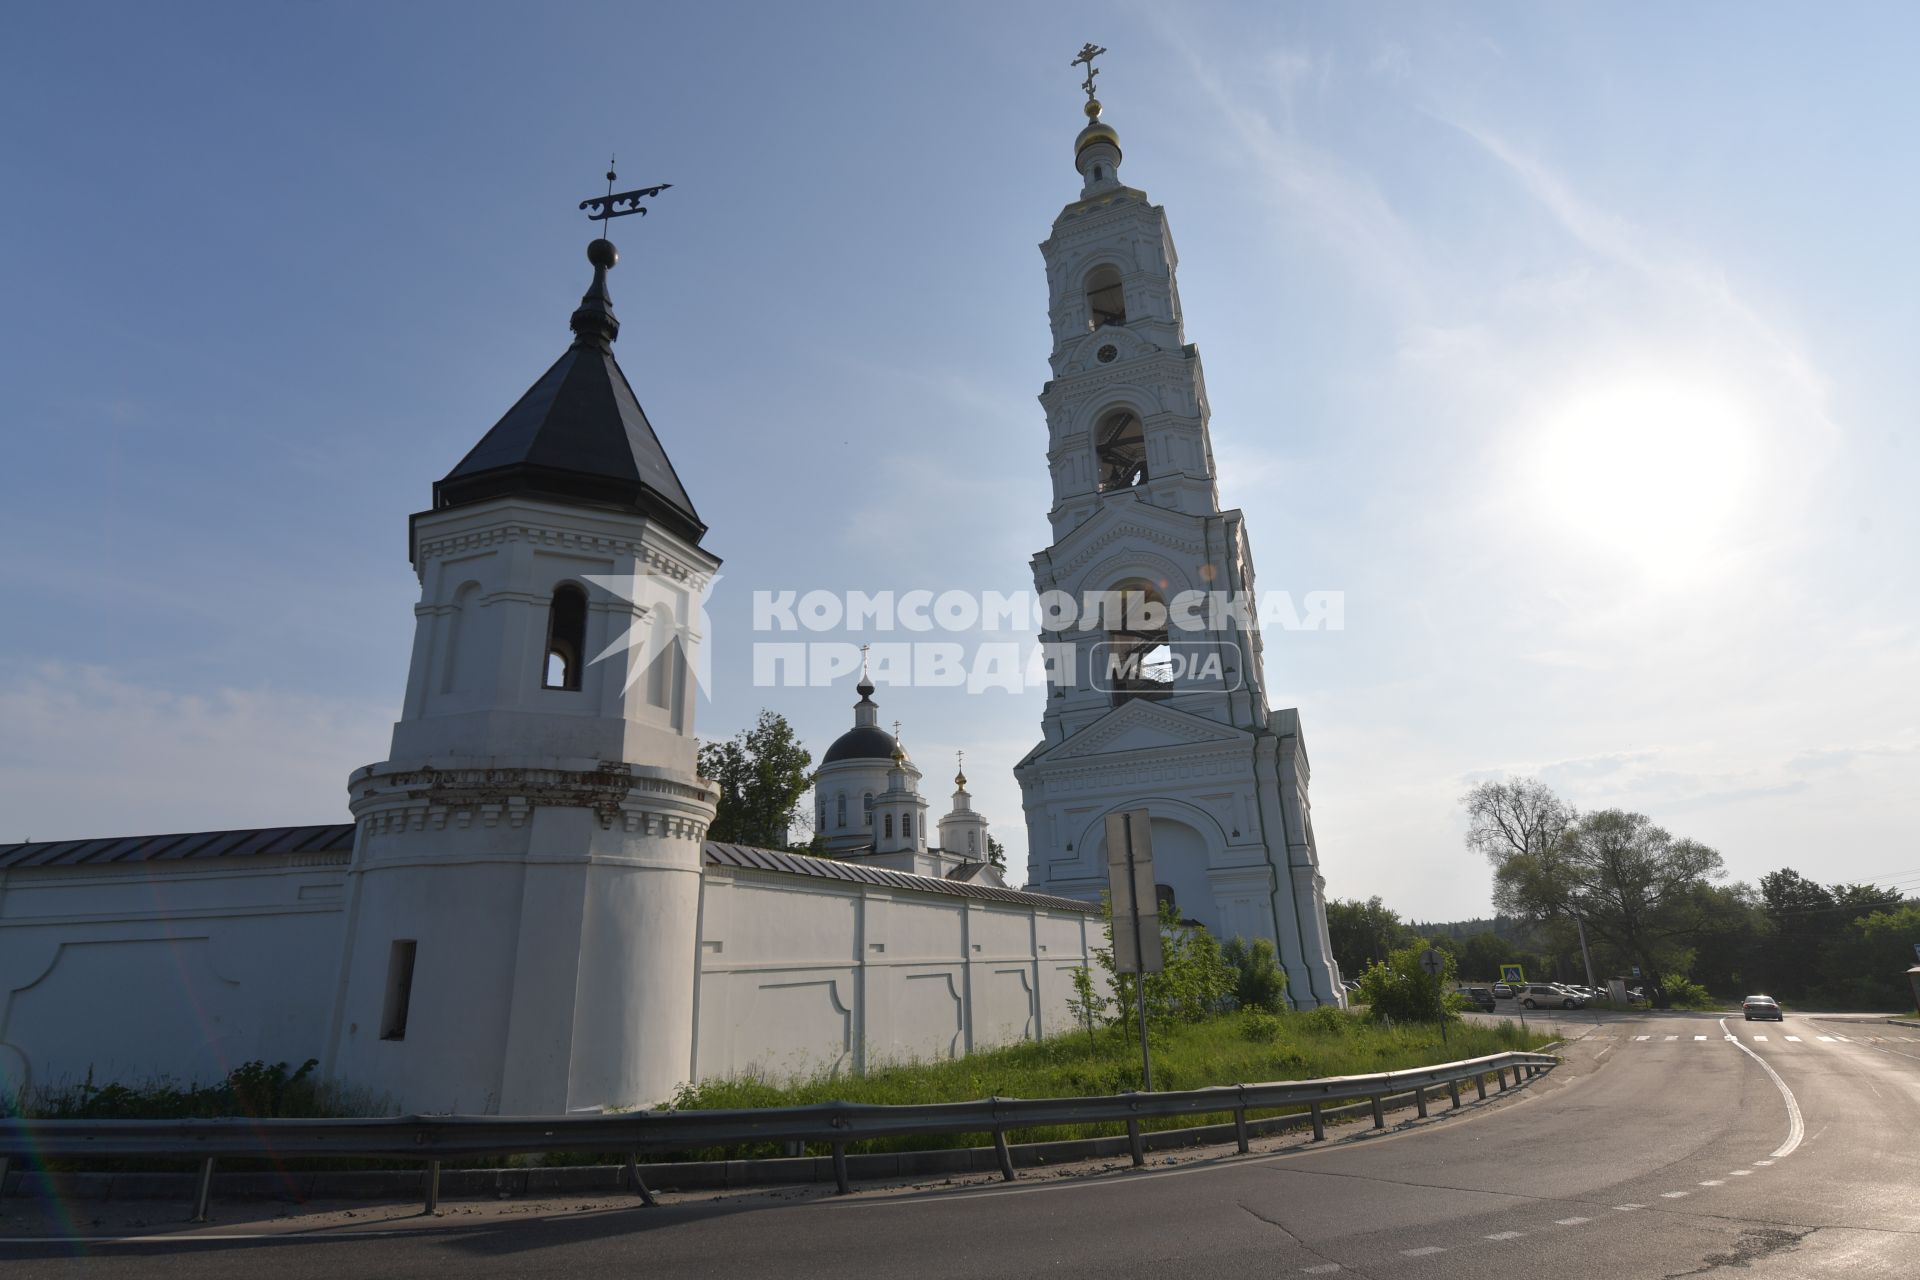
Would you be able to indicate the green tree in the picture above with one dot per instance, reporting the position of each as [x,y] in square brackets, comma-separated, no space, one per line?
[1483,954]
[761,773]
[1259,981]
[996,853]
[1194,980]
[1363,933]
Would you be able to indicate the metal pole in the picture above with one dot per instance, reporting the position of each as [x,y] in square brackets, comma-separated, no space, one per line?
[433,1189]
[1319,1122]
[637,1184]
[840,1168]
[203,1191]
[1133,1137]
[1240,1129]
[1585,956]
[1139,962]
[1006,1156]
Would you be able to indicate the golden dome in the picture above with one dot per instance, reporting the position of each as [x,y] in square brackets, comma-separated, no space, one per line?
[1096,131]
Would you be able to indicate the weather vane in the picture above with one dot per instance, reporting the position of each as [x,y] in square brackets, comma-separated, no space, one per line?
[1087,55]
[608,206]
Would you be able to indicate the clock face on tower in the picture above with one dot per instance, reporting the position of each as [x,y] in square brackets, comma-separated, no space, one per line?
[1106,354]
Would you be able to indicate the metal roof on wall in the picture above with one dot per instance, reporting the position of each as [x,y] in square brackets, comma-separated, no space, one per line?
[252,842]
[803,864]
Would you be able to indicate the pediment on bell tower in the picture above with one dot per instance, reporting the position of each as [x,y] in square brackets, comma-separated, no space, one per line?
[1143,726]
[1117,527]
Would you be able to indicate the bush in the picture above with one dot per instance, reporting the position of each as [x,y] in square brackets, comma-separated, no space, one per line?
[1259,981]
[1261,1027]
[1684,993]
[1400,991]
[1328,1020]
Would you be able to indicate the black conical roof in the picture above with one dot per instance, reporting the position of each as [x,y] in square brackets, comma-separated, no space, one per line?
[578,434]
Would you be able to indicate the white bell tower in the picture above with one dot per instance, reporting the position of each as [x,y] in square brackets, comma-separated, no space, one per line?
[1162,704]
[525,884]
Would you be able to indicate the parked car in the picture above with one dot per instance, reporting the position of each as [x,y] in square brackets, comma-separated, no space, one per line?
[1479,996]
[1503,991]
[1536,994]
[1762,1009]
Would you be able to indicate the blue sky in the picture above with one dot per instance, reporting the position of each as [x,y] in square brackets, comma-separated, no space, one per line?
[1573,343]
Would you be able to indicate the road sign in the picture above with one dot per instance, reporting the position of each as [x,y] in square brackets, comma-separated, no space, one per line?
[1433,962]
[1136,911]
[1512,973]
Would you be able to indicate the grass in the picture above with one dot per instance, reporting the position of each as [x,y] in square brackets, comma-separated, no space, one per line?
[1235,1048]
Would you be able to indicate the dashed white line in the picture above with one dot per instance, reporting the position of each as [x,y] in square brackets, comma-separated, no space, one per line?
[1795,1039]
[1627,1208]
[1325,1268]
[1739,1173]
[1673,1195]
[1422,1251]
[1643,1037]
[1828,1039]
[1673,1037]
[1760,1039]
[1714,1182]
[1841,1039]
[1703,1037]
[1506,1235]
[1570,1222]
[1761,1164]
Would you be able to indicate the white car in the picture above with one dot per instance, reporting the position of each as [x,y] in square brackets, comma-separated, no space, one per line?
[1537,994]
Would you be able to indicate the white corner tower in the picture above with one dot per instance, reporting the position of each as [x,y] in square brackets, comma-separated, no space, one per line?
[1158,697]
[525,884]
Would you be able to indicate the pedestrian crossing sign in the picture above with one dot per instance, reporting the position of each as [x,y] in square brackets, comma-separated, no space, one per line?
[1512,973]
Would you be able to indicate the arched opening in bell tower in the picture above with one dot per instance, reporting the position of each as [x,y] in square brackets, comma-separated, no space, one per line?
[1106,298]
[566,637]
[1120,444]
[1136,661]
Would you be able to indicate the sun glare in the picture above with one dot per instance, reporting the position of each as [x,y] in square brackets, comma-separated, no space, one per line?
[1654,471]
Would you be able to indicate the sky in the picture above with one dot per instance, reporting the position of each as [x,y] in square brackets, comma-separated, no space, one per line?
[1573,344]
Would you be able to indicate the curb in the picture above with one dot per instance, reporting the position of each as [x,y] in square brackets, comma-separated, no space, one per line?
[704,1175]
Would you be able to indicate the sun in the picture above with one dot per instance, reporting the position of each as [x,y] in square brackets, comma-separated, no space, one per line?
[1651,470]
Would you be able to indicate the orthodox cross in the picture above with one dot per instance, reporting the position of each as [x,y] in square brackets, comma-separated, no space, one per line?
[896,732]
[608,206]
[1087,55]
[863,660]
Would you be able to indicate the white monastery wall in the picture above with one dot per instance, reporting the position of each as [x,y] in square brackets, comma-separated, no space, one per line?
[132,974]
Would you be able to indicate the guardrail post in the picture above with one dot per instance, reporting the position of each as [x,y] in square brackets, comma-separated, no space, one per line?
[635,1183]
[1420,1100]
[1500,1074]
[1240,1129]
[1379,1112]
[1139,1148]
[1480,1083]
[1453,1091]
[840,1168]
[203,1191]
[3,1175]
[1319,1122]
[1006,1156]
[433,1189]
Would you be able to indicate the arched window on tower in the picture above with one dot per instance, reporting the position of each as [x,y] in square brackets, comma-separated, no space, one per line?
[566,637]
[1121,446]
[1106,299]
[869,806]
[840,809]
[887,825]
[906,826]
[1135,661]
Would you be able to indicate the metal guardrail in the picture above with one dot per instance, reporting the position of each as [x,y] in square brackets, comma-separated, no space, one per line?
[437,1138]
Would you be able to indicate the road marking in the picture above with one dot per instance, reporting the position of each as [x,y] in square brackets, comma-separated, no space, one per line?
[1627,1208]
[1761,1164]
[1506,1235]
[1796,1128]
[1841,1039]
[1828,1039]
[1739,1173]
[1672,1195]
[1325,1268]
[1795,1039]
[1646,1037]
[1673,1037]
[1570,1222]
[1760,1039]
[1714,1182]
[1703,1037]
[1422,1251]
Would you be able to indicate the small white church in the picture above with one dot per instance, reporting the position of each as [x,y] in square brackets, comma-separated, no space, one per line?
[524,915]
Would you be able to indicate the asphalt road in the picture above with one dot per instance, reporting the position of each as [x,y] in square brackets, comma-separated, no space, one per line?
[1663,1148]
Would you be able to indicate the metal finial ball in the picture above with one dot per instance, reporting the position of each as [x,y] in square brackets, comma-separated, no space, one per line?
[1092,108]
[601,253]
[611,175]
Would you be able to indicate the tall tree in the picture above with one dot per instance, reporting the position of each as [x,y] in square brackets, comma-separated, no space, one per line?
[1363,933]
[762,773]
